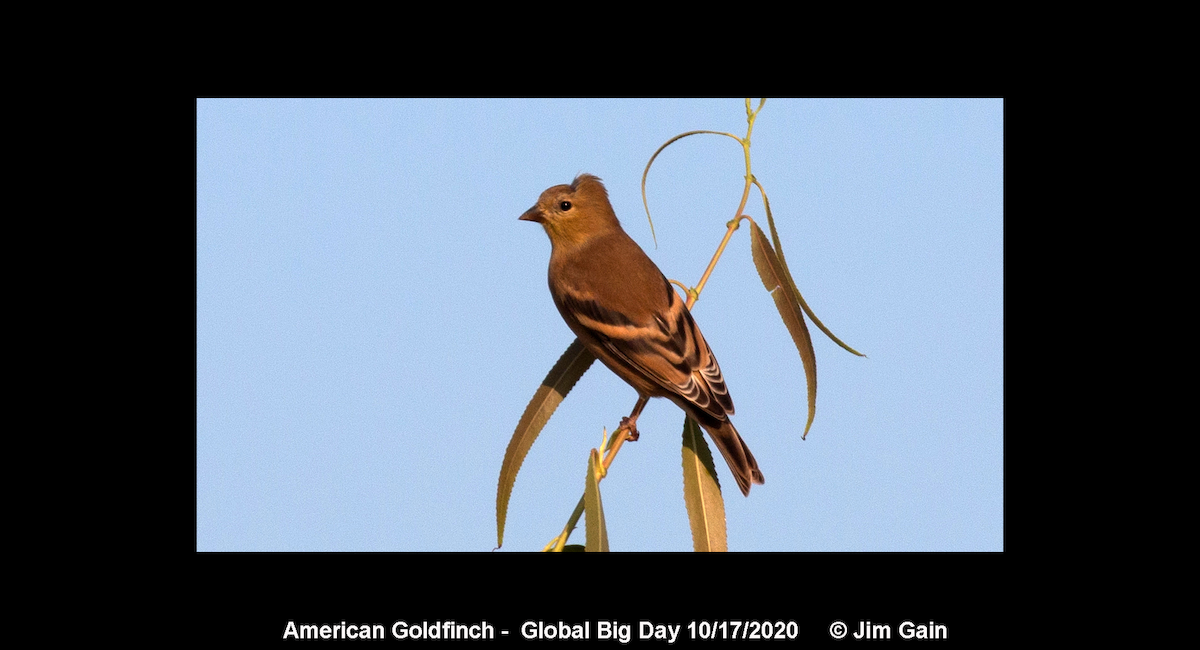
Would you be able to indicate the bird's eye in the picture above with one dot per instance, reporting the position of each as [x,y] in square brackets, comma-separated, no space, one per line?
[564,206]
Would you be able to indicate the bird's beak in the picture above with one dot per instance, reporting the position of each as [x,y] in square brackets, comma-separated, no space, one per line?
[532,214]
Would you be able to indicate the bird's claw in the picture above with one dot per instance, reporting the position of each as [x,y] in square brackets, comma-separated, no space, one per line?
[630,426]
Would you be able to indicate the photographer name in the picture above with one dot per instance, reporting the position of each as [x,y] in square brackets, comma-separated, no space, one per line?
[908,630]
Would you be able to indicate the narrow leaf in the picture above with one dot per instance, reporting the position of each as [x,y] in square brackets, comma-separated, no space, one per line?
[561,378]
[646,172]
[597,534]
[772,274]
[791,283]
[702,492]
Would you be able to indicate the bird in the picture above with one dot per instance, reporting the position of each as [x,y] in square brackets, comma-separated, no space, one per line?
[626,313]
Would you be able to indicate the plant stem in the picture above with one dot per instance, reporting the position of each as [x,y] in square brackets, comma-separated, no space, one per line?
[695,293]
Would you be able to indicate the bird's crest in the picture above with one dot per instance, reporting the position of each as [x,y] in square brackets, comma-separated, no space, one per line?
[589,181]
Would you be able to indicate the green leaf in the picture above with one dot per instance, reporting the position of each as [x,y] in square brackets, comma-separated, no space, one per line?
[561,378]
[597,534]
[774,278]
[702,492]
[791,283]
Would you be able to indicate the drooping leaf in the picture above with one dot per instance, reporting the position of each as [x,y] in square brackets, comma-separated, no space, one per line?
[791,283]
[558,382]
[597,534]
[646,172]
[774,279]
[702,492]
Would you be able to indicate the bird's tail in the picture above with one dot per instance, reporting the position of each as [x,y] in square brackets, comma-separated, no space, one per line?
[737,455]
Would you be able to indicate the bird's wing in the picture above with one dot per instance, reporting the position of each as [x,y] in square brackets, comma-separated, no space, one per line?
[661,345]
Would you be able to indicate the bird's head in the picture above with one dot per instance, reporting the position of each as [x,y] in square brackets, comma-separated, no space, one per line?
[573,213]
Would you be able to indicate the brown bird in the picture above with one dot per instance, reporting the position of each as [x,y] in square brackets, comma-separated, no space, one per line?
[627,314]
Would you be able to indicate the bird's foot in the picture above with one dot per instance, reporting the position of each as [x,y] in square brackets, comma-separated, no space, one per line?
[630,427]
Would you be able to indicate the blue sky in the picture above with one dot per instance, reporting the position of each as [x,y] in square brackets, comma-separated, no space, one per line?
[372,319]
